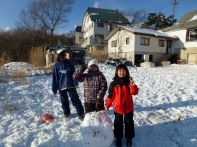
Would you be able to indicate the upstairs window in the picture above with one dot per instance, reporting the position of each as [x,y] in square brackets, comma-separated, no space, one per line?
[128,40]
[114,43]
[161,43]
[99,37]
[100,25]
[145,41]
[110,27]
[191,35]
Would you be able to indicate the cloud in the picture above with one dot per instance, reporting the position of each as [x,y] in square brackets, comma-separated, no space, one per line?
[97,4]
[7,28]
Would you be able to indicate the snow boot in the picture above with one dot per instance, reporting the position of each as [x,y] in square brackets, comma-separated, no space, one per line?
[129,143]
[119,142]
[66,115]
[81,117]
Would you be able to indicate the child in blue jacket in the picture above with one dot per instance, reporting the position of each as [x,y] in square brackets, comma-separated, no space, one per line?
[64,83]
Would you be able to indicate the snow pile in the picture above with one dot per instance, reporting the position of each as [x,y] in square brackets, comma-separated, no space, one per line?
[147,64]
[96,129]
[18,66]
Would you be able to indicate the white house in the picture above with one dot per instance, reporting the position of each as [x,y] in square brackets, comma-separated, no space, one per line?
[97,23]
[138,45]
[78,36]
[186,31]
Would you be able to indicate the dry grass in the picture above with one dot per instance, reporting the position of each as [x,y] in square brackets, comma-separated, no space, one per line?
[43,70]
[98,56]
[37,56]
[4,59]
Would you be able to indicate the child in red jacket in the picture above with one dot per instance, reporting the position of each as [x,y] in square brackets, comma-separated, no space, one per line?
[120,95]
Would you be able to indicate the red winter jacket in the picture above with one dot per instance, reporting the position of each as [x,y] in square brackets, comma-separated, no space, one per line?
[121,97]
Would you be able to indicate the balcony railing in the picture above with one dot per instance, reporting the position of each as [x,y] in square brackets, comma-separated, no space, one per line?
[93,41]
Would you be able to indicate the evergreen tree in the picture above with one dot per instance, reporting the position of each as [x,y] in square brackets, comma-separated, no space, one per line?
[159,21]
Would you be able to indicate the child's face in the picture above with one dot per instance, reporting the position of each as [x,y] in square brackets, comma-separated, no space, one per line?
[66,55]
[93,68]
[122,73]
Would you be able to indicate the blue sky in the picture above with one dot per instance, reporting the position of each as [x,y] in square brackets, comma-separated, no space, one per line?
[10,9]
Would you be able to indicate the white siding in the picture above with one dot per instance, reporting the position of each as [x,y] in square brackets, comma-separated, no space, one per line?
[101,30]
[121,36]
[182,43]
[152,48]
[88,27]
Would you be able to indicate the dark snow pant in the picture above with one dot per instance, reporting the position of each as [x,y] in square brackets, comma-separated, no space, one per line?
[90,107]
[129,125]
[74,99]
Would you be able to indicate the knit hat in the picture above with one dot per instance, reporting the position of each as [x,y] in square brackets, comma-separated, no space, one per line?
[60,50]
[93,62]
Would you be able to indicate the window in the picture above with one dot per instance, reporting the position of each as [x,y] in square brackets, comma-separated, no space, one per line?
[145,41]
[191,35]
[110,27]
[127,40]
[101,25]
[114,43]
[161,43]
[99,37]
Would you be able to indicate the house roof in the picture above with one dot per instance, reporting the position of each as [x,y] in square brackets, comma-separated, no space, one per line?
[189,20]
[106,15]
[141,32]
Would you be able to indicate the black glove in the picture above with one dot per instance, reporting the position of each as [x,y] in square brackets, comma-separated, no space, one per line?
[100,105]
[83,67]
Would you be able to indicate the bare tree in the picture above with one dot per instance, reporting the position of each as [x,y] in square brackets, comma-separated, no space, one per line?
[51,13]
[135,16]
[42,18]
[27,22]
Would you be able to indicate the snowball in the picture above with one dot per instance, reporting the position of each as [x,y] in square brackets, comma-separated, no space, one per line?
[96,129]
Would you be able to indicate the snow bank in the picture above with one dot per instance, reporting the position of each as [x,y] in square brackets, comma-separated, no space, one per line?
[165,112]
[18,66]
[147,64]
[96,129]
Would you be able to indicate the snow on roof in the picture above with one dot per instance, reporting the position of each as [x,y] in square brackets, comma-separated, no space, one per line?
[147,31]
[193,18]
[94,14]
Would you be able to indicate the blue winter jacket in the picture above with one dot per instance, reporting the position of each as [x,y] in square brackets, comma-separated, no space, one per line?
[63,76]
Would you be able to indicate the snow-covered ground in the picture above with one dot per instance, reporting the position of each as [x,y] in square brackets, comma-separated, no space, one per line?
[165,111]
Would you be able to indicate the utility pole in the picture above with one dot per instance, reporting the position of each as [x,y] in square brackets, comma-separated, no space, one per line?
[175,3]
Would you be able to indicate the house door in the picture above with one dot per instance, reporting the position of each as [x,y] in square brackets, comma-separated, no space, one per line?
[192,58]
[138,59]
